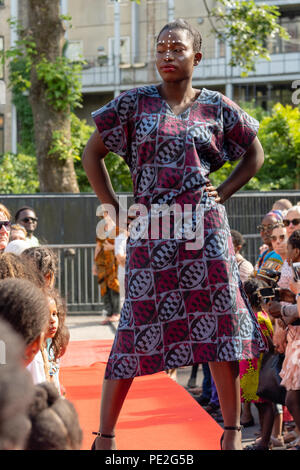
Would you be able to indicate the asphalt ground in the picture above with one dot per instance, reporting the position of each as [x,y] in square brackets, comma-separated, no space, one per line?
[87,327]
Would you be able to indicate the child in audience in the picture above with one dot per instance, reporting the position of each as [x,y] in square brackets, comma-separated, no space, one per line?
[46,262]
[55,336]
[16,388]
[54,421]
[24,306]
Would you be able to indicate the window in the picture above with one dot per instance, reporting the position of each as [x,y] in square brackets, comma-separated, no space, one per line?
[1,50]
[124,50]
[1,3]
[290,20]
[74,50]
[1,134]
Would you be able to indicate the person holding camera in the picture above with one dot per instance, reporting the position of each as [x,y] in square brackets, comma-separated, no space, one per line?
[289,315]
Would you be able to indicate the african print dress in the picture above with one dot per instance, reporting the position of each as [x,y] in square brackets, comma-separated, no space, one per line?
[184,303]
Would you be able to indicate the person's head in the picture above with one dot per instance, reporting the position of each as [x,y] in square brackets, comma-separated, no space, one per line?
[251,287]
[46,262]
[16,390]
[56,322]
[237,240]
[17,232]
[293,250]
[16,246]
[292,220]
[178,50]
[267,224]
[12,265]
[282,205]
[279,240]
[25,307]
[5,226]
[26,217]
[54,420]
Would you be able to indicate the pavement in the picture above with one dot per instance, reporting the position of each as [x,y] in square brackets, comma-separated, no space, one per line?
[87,327]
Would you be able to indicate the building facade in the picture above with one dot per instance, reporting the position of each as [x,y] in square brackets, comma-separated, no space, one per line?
[117,42]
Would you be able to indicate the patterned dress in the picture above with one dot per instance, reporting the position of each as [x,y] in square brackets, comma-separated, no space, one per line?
[182,305]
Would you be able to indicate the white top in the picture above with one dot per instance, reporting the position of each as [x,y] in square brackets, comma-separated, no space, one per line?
[36,369]
[33,241]
[120,249]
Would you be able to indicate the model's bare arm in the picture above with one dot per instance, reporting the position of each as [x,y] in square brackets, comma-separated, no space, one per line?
[249,165]
[94,166]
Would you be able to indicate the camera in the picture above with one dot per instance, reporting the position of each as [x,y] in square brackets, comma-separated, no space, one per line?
[270,292]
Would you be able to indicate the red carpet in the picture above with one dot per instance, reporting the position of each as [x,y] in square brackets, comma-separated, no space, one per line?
[158,414]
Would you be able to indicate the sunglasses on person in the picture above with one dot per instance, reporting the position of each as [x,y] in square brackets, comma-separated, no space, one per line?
[287,222]
[28,219]
[280,237]
[6,224]
[265,228]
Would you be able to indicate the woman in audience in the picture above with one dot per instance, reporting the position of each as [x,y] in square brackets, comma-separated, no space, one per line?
[268,258]
[4,227]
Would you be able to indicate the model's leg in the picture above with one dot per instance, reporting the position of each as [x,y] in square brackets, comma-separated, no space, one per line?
[227,380]
[113,395]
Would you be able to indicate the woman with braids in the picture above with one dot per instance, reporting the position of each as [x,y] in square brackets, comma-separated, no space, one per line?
[184,301]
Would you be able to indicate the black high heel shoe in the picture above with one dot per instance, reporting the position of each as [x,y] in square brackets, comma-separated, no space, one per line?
[100,434]
[229,428]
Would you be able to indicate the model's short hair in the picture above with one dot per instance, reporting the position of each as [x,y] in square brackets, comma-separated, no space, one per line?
[180,23]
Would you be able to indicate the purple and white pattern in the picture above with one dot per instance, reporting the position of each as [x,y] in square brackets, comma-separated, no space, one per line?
[183,306]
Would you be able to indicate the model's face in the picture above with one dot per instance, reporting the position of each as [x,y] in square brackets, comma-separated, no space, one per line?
[28,219]
[292,222]
[4,230]
[279,241]
[175,57]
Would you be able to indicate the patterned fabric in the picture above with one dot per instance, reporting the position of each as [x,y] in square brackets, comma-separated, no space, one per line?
[182,305]
[269,259]
[249,369]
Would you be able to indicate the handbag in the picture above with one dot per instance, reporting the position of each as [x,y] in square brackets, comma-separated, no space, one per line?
[269,381]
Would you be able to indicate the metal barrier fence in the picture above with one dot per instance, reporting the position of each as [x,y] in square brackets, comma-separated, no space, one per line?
[75,280]
[78,285]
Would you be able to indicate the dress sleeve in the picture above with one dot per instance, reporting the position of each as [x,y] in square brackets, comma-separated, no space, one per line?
[114,122]
[239,129]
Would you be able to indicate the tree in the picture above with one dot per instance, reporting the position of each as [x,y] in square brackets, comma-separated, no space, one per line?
[54,88]
[279,134]
[247,28]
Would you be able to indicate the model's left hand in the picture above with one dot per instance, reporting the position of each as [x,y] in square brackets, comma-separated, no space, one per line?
[212,192]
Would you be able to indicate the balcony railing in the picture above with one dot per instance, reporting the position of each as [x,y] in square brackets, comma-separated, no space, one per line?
[210,70]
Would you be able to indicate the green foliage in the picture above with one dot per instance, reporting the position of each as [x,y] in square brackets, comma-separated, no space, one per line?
[116,167]
[18,174]
[63,82]
[279,134]
[247,27]
[119,173]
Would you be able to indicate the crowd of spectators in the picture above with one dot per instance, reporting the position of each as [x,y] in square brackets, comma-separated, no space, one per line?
[34,410]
